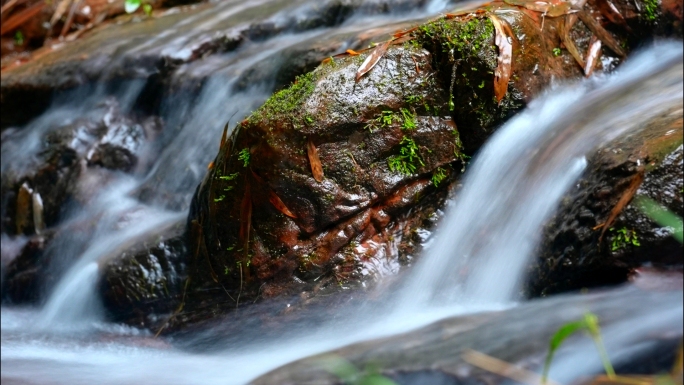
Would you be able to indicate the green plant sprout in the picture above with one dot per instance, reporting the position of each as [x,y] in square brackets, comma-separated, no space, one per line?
[229,177]
[131,6]
[590,324]
[18,38]
[624,237]
[409,120]
[243,155]
[408,158]
[438,176]
[556,51]
[661,216]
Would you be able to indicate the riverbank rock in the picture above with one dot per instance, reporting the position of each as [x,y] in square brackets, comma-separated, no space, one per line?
[451,351]
[583,246]
[309,191]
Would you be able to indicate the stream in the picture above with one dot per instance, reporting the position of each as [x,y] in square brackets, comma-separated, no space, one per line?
[488,230]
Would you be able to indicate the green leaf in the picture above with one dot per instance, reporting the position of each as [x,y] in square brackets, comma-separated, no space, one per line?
[131,6]
[557,339]
[147,8]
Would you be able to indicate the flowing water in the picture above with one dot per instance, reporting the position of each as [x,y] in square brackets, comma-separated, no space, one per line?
[488,231]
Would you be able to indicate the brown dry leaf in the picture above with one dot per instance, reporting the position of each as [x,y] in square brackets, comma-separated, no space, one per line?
[23,210]
[59,11]
[624,200]
[210,165]
[372,59]
[279,205]
[352,52]
[551,8]
[503,368]
[610,12]
[399,34]
[564,27]
[315,161]
[598,30]
[21,17]
[504,41]
[593,55]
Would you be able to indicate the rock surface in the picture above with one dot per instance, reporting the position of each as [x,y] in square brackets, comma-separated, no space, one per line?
[577,251]
[439,353]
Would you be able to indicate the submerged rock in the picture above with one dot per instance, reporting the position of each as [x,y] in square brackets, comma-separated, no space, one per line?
[449,351]
[580,249]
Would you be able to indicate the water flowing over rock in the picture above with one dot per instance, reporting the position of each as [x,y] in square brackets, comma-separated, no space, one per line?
[581,249]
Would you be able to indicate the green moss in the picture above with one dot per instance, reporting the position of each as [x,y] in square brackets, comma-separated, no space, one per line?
[244,156]
[651,9]
[438,176]
[408,119]
[408,159]
[287,101]
[455,35]
[622,238]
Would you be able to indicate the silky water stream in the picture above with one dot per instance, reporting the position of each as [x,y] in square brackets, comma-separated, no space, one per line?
[489,229]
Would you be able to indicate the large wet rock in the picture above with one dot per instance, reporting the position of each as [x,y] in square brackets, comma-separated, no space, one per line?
[579,249]
[443,352]
[266,222]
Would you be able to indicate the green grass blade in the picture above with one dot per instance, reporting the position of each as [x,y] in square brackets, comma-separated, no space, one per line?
[557,339]
[661,215]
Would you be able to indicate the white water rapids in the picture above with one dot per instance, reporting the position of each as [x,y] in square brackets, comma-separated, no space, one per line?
[512,186]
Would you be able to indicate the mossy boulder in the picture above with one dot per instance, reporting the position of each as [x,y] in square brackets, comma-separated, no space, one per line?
[265,223]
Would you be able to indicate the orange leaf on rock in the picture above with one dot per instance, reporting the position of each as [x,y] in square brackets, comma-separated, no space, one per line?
[372,59]
[315,161]
[279,205]
[503,70]
[352,52]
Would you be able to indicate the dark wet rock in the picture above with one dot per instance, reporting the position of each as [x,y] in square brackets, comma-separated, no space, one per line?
[24,274]
[435,353]
[571,256]
[141,283]
[124,48]
[72,162]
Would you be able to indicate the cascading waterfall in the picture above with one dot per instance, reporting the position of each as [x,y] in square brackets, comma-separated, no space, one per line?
[523,171]
[475,262]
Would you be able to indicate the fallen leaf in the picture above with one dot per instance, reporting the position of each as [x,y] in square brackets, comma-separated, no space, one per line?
[402,33]
[593,54]
[564,27]
[551,8]
[19,18]
[502,73]
[372,59]
[352,52]
[59,11]
[23,208]
[598,30]
[610,12]
[279,205]
[246,226]
[624,200]
[315,161]
[211,165]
